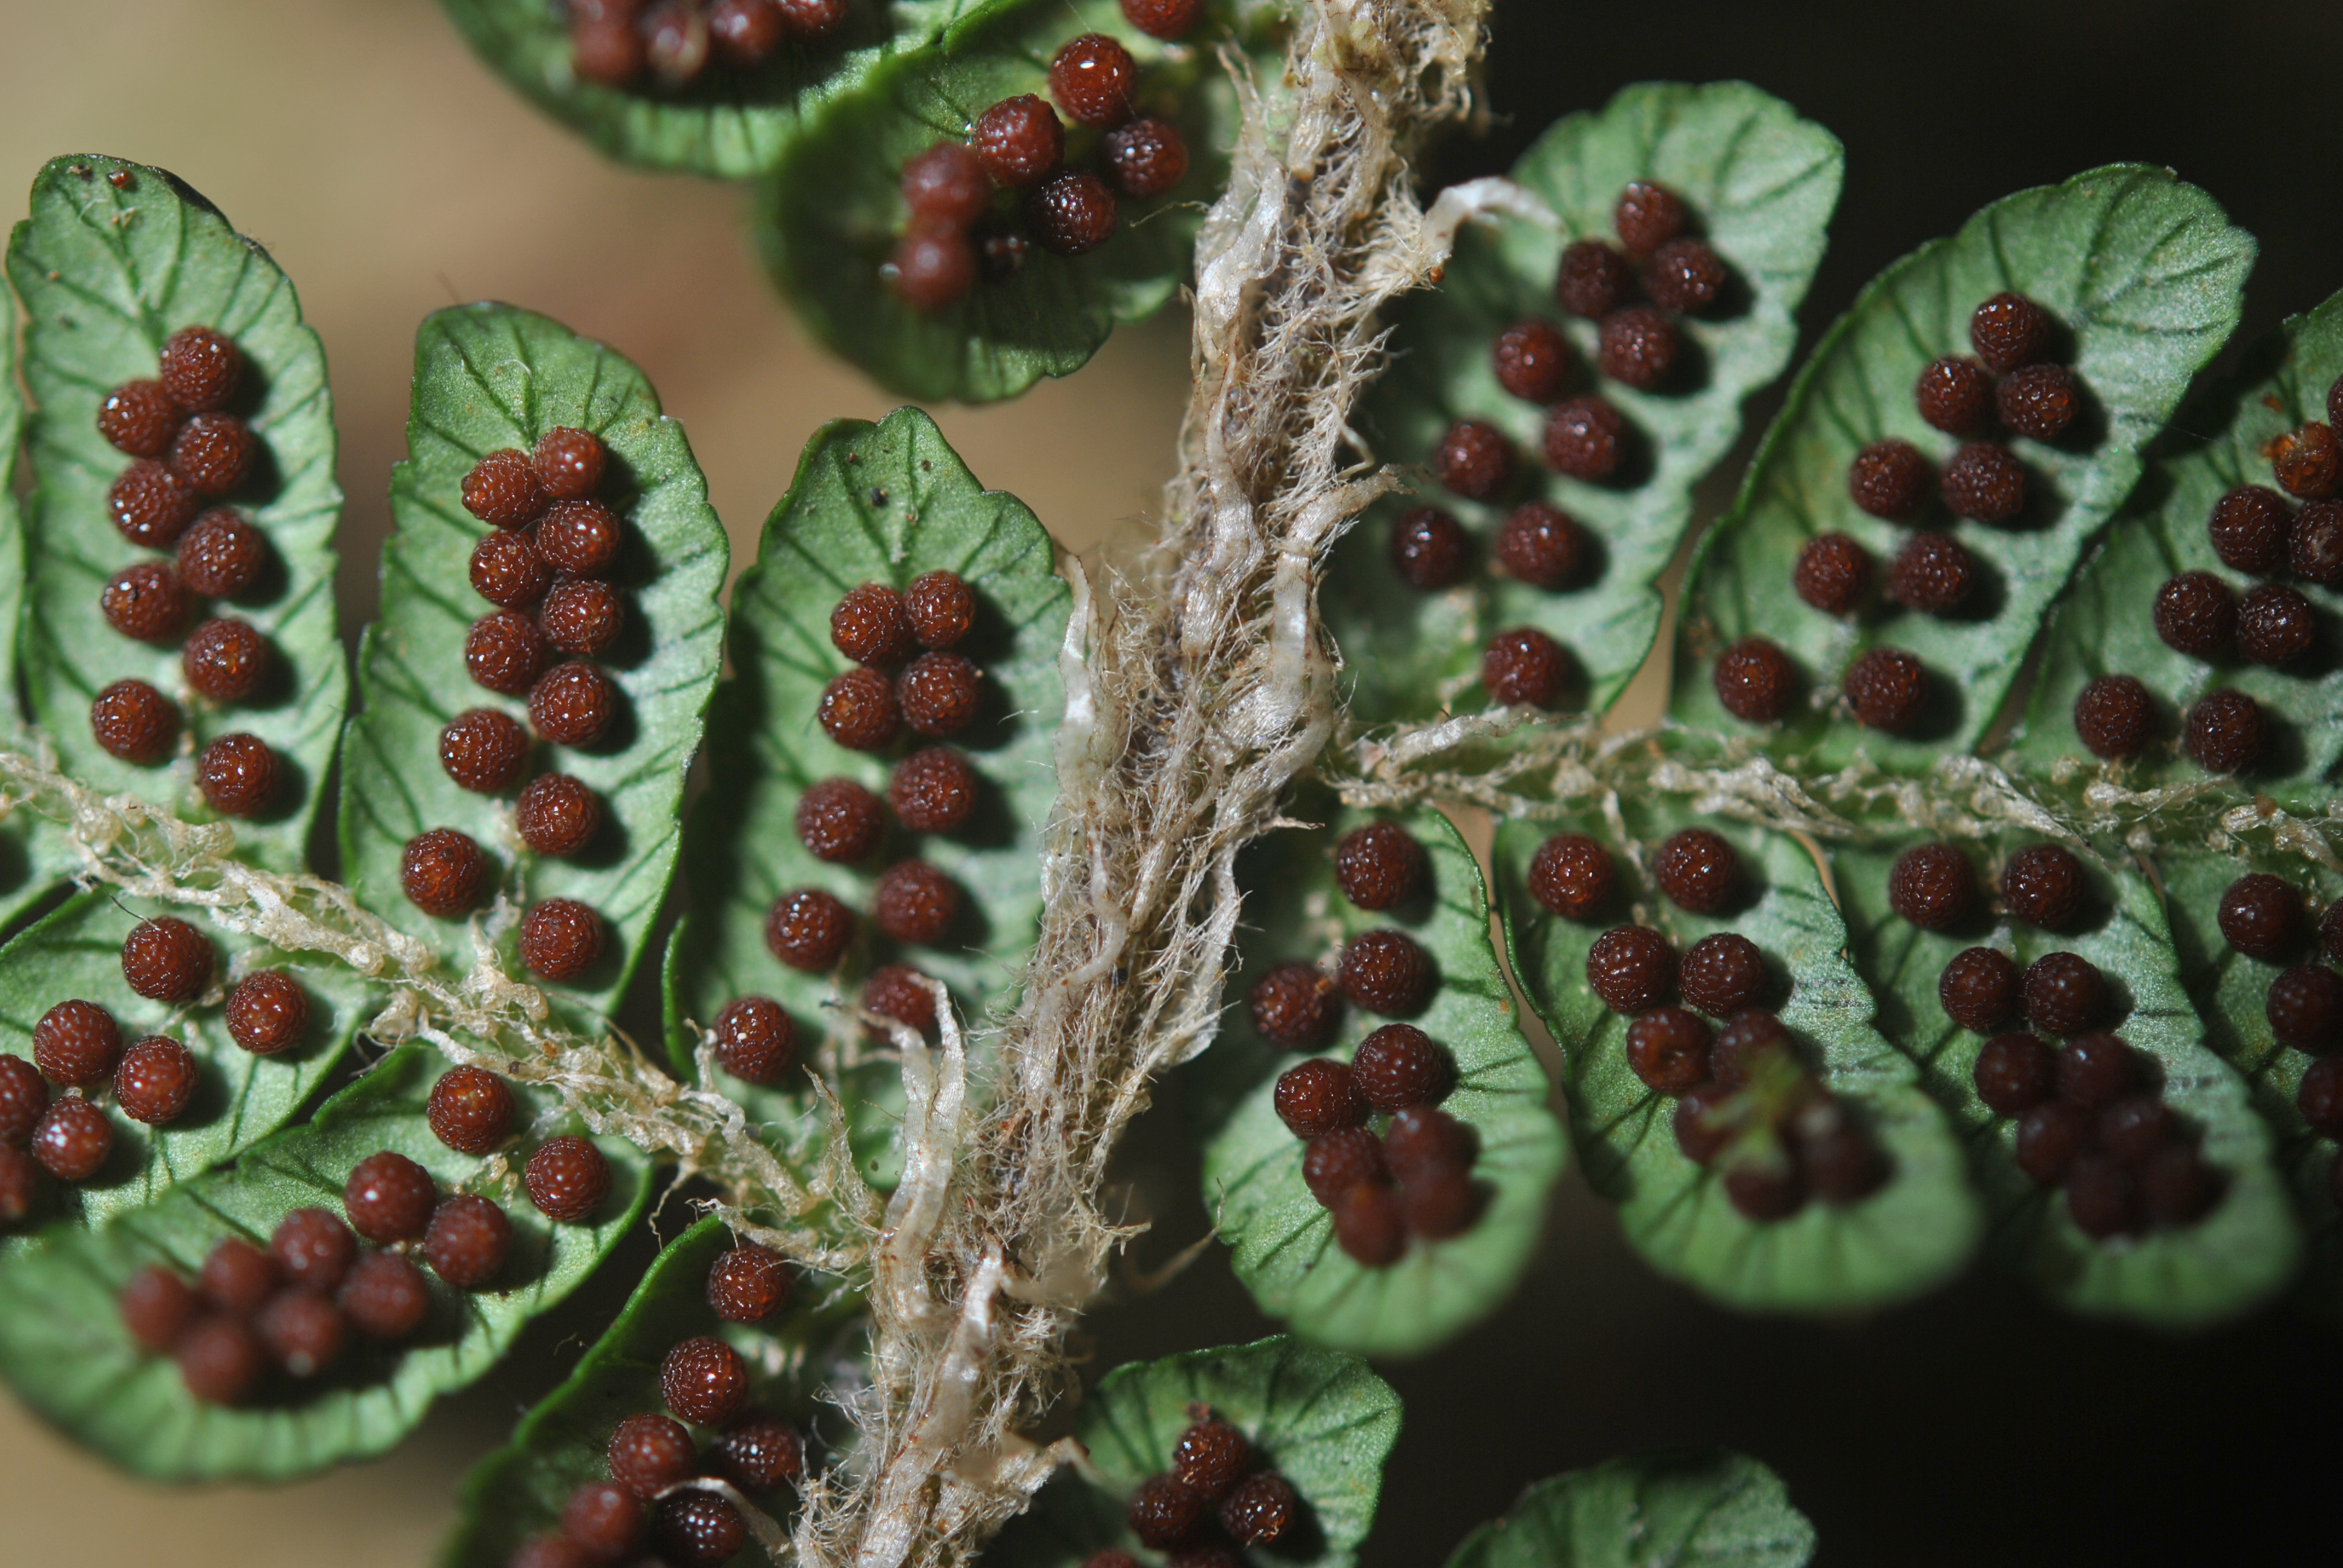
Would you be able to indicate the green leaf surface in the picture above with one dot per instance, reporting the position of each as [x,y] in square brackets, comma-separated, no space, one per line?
[870,503]
[2106,625]
[1321,1418]
[2143,271]
[1286,1249]
[22,881]
[1913,1233]
[64,1350]
[489,377]
[830,214]
[562,1443]
[107,273]
[1664,1511]
[240,1099]
[1762,182]
[726,122]
[2239,1254]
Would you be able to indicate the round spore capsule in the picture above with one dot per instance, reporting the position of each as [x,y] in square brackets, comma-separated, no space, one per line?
[758,1454]
[604,47]
[839,821]
[1316,1097]
[1668,1049]
[1636,345]
[1933,573]
[467,1241]
[1146,157]
[946,185]
[213,453]
[1398,1066]
[2319,1096]
[1373,1234]
[2314,546]
[166,959]
[675,40]
[238,1277]
[219,1360]
[267,1012]
[72,1139]
[389,1198]
[154,1306]
[74,1044]
[1571,876]
[567,1179]
[2039,401]
[1585,438]
[858,710]
[2014,1073]
[2309,462]
[1833,573]
[225,660]
[442,872]
[1296,1006]
[2277,625]
[2095,1070]
[1387,972]
[755,1039]
[810,21]
[201,368]
[1165,1511]
[556,815]
[384,1297]
[150,504]
[1019,140]
[1631,968]
[572,703]
[301,1329]
[649,1453]
[1473,460]
[1765,1190]
[1378,866]
[581,538]
[2196,614]
[1704,1122]
[748,1283]
[2135,1127]
[1261,1509]
[915,902]
[1429,549]
[237,775]
[581,616]
[1885,687]
[1723,974]
[2065,994]
[1748,1040]
[1531,360]
[1647,215]
[901,993]
[1984,481]
[221,555]
[470,1110]
[2102,1198]
[2009,331]
[139,418]
[2225,732]
[1091,78]
[144,601]
[1168,20]
[1072,213]
[932,265]
[2261,916]
[133,722]
[932,791]
[1422,1139]
[939,693]
[602,1516]
[503,490]
[504,653]
[1954,395]
[484,751]
[569,462]
[2248,528]
[1888,479]
[2305,1008]
[1697,869]
[1593,279]
[2113,717]
[506,570]
[561,939]
[1522,666]
[1542,545]
[1932,886]
[1210,1456]
[1754,680]
[1336,1162]
[1685,275]
[2050,1137]
[2177,1185]
[698,1529]
[941,608]
[156,1080]
[313,1248]
[23,1095]
[808,930]
[2043,885]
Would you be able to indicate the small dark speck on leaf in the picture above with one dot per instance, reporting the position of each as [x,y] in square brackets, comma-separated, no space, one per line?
[877,496]
[854,457]
[81,169]
[2270,401]
[925,466]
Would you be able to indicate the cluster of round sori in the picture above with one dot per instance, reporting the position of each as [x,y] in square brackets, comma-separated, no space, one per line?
[290,1308]
[2013,382]
[544,563]
[619,43]
[1745,1103]
[188,450]
[650,1500]
[2271,623]
[2091,1115]
[958,231]
[1416,1178]
[77,1047]
[933,692]
[1216,1499]
[2263,918]
[1586,437]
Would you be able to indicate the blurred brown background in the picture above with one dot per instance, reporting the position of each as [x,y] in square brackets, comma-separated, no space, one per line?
[390,175]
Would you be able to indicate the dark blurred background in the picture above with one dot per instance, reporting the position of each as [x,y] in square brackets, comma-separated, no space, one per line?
[391,175]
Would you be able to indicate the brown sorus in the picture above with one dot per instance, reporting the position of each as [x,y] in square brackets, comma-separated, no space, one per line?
[1378,866]
[1585,438]
[1091,78]
[2319,1096]
[1387,972]
[2276,624]
[1888,479]
[2039,401]
[2305,1008]
[72,1139]
[213,453]
[267,1012]
[838,821]
[314,1248]
[604,47]
[389,1198]
[1832,573]
[201,368]
[871,625]
[561,939]
[2314,547]
[467,1241]
[1373,1234]
[2050,1137]
[1884,687]
[1429,549]
[237,775]
[698,1529]
[302,1330]
[2248,528]
[2309,462]
[567,1179]
[20,1184]
[581,616]
[1019,140]
[224,659]
[755,1039]
[580,539]
[1933,573]
[2102,1198]
[1839,1163]
[2009,331]
[1754,680]
[946,185]
[75,1045]
[155,1305]
[1531,360]
[1072,213]
[1260,1510]
[503,490]
[932,791]
[1542,545]
[2095,1070]
[1165,1510]
[941,608]
[1333,1162]
[1748,1039]
[1984,482]
[1932,886]
[1631,968]
[1001,247]
[384,1297]
[1165,19]
[1422,1139]
[1521,665]
[809,21]
[1210,1456]
[221,555]
[2196,614]
[602,1516]
[1398,1066]
[808,930]
[748,1283]
[2262,917]
[901,993]
[1473,458]
[470,1110]
[2225,732]
[155,1081]
[2065,994]
[649,1453]
[1593,279]
[758,1454]
[2136,1127]
[1636,345]
[1697,869]
[1723,974]
[704,1381]
[1296,1006]
[1702,1122]
[23,1095]
[858,710]
[572,703]
[138,419]
[2014,1073]
[150,504]
[1685,275]
[133,722]
[484,751]
[143,600]
[1147,156]
[1765,1190]
[1571,876]
[2114,716]
[1954,395]
[1668,1049]
[569,462]
[915,902]
[2177,1185]
[939,693]
[166,959]
[556,815]
[219,1360]
[1647,215]
[442,872]
[2043,885]
[503,652]
[1316,1097]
